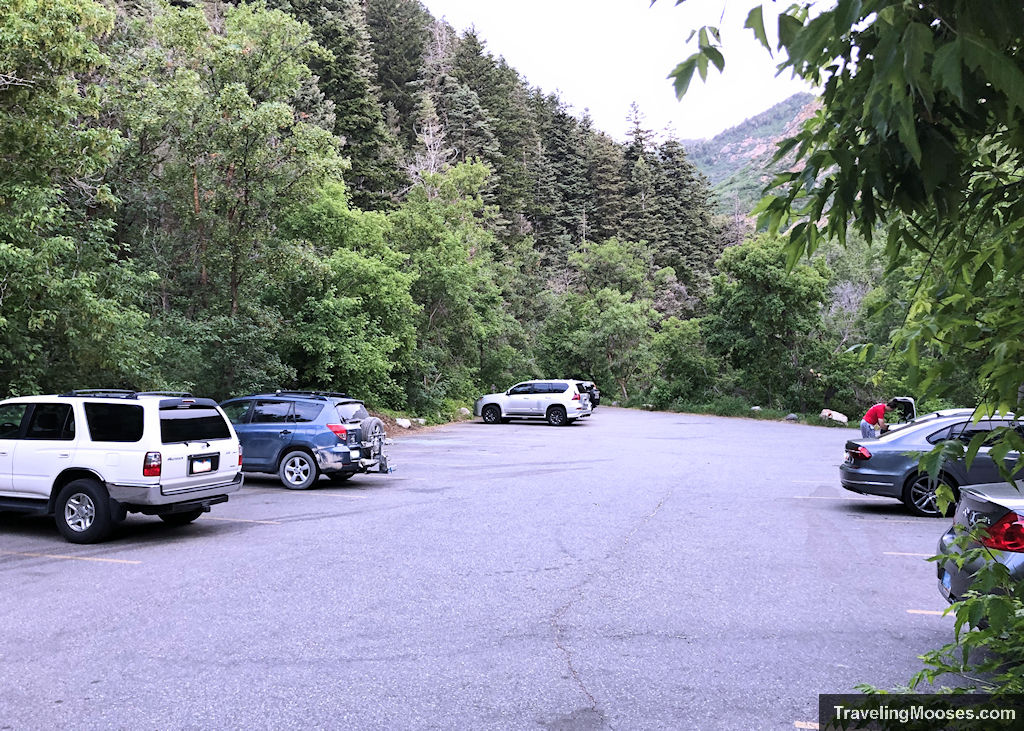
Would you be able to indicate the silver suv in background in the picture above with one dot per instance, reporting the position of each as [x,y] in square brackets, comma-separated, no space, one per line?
[558,401]
[88,458]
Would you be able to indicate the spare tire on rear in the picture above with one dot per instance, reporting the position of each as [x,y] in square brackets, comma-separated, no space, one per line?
[373,436]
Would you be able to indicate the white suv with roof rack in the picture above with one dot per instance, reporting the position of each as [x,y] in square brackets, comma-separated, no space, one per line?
[559,401]
[90,457]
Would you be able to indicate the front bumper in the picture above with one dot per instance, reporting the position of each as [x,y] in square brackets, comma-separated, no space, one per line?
[141,496]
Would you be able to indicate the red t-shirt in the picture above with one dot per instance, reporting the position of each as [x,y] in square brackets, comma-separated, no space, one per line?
[875,413]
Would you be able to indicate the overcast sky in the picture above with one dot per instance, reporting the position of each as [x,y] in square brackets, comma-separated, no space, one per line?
[602,55]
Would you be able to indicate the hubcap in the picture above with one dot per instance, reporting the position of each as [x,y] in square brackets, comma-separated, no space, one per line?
[557,417]
[296,470]
[923,496]
[79,512]
[491,415]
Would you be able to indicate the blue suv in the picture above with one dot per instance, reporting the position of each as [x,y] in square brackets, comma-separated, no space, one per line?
[300,435]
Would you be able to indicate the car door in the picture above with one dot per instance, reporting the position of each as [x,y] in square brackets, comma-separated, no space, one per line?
[522,400]
[983,468]
[268,432]
[46,448]
[12,417]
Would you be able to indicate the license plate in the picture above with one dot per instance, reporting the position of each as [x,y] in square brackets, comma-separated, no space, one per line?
[202,465]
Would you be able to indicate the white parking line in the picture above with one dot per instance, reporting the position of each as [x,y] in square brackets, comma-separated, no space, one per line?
[932,612]
[916,555]
[70,558]
[888,520]
[805,724]
[840,497]
[243,520]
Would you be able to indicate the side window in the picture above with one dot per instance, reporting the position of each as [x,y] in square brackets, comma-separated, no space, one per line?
[306,411]
[51,421]
[522,388]
[113,422]
[10,420]
[271,412]
[558,387]
[966,431]
[237,411]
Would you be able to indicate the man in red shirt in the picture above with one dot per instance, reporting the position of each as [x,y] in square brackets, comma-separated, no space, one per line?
[875,417]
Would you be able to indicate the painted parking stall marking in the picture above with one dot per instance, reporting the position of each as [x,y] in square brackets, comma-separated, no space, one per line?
[70,558]
[930,612]
[914,555]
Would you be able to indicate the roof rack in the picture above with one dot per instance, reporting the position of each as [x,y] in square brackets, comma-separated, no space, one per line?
[174,394]
[102,392]
[312,394]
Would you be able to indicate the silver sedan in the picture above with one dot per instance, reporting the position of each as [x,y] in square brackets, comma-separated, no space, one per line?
[888,466]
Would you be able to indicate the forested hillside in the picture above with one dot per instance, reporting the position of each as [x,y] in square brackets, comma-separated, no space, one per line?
[738,160]
[351,194]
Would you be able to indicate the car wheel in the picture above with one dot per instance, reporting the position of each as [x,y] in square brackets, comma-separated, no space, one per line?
[491,414]
[919,495]
[556,416]
[298,471]
[82,512]
[338,477]
[183,518]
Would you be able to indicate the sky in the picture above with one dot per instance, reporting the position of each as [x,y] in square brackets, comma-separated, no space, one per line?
[602,55]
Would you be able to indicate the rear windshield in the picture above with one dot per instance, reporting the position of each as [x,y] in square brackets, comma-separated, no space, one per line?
[196,424]
[352,410]
[114,422]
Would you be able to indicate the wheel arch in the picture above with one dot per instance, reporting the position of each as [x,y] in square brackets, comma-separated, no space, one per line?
[69,475]
[295,448]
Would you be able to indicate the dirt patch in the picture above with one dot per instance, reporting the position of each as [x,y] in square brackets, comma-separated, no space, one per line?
[394,430]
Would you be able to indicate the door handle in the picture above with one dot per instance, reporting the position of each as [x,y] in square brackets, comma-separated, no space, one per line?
[64,455]
[285,432]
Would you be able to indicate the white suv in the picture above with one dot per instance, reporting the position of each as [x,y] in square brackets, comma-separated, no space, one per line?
[90,457]
[560,402]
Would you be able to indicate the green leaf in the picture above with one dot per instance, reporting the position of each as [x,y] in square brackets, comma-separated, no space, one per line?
[755,21]
[1002,71]
[947,69]
[682,75]
[789,27]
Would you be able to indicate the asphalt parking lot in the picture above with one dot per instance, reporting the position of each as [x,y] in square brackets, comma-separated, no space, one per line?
[636,570]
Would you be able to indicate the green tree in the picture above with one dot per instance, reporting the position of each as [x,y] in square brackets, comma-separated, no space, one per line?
[69,304]
[766,320]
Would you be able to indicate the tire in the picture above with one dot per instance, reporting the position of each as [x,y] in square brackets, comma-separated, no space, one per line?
[374,434]
[82,512]
[183,518]
[298,470]
[556,416]
[338,477]
[491,414]
[919,495]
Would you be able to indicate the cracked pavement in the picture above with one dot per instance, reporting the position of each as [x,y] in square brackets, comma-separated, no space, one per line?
[637,570]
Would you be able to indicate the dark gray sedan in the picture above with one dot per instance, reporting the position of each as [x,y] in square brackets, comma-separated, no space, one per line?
[888,466]
[1000,508]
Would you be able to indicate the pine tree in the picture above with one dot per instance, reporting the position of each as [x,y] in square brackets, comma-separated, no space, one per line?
[605,163]
[689,240]
[399,32]
[347,80]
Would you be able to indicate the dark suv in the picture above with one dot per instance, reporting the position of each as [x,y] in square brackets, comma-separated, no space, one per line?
[300,435]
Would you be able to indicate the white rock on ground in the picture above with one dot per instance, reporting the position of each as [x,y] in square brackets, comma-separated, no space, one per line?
[404,423]
[831,415]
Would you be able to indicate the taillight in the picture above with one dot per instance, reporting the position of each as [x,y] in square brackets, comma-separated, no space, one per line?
[339,431]
[1007,534]
[151,465]
[239,455]
[859,453]
[576,396]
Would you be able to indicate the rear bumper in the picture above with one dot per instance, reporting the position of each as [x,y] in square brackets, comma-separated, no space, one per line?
[869,483]
[139,496]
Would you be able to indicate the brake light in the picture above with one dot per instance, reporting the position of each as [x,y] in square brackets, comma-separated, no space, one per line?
[859,453]
[151,465]
[1007,534]
[239,455]
[576,396]
[339,431]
